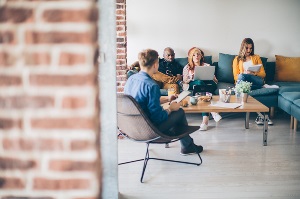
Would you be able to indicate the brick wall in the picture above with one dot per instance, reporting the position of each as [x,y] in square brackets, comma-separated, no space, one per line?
[48,99]
[121,44]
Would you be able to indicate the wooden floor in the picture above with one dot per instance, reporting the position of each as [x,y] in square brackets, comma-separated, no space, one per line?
[235,164]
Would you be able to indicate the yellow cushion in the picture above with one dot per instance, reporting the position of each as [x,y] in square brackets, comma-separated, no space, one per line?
[287,69]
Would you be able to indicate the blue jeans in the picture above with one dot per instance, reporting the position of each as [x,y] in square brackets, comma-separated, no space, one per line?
[168,127]
[257,82]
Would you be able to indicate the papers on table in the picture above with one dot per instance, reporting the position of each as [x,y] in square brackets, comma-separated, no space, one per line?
[226,105]
[254,68]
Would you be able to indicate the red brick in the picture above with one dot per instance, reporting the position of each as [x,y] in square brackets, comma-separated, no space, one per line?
[120,89]
[120,28]
[11,183]
[15,15]
[121,45]
[61,184]
[21,102]
[121,57]
[120,17]
[121,78]
[74,102]
[121,23]
[71,59]
[81,145]
[32,144]
[12,163]
[8,123]
[62,80]
[69,165]
[120,40]
[10,80]
[120,1]
[60,15]
[7,59]
[7,37]
[120,51]
[120,62]
[120,6]
[37,58]
[63,123]
[121,34]
[60,37]
[120,12]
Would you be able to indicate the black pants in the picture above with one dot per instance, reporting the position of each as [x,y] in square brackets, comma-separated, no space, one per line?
[175,119]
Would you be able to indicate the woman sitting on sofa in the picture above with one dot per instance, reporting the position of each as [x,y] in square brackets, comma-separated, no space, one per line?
[245,58]
[196,58]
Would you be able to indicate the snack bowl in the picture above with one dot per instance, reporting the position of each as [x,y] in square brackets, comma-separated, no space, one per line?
[204,97]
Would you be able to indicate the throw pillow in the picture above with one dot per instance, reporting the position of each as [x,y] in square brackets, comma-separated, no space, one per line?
[183,61]
[224,71]
[287,69]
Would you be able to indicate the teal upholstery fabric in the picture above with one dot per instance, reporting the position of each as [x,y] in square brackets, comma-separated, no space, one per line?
[295,109]
[224,71]
[264,61]
[289,88]
[286,99]
[264,92]
[183,61]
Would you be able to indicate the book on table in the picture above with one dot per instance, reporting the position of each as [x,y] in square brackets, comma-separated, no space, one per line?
[181,96]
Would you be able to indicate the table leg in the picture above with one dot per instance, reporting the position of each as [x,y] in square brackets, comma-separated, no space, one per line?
[247,120]
[265,129]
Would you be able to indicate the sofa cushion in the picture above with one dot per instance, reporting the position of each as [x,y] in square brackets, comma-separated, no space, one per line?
[184,60]
[291,88]
[264,92]
[291,96]
[287,68]
[264,61]
[224,71]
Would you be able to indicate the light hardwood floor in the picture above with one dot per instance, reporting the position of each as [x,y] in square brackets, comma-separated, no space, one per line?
[235,164]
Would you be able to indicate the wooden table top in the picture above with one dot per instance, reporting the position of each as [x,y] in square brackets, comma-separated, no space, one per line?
[252,105]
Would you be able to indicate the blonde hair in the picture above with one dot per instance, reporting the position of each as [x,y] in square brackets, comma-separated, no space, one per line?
[242,52]
[148,57]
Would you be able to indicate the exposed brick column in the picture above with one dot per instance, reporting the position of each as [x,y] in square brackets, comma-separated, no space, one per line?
[49,121]
[121,44]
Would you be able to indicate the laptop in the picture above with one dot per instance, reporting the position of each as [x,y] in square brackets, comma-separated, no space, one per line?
[204,73]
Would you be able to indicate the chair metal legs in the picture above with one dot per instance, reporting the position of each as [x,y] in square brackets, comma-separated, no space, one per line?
[147,157]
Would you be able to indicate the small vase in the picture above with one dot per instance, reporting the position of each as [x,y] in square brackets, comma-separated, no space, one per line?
[245,97]
[238,97]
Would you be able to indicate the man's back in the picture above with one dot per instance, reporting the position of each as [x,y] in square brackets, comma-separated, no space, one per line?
[146,92]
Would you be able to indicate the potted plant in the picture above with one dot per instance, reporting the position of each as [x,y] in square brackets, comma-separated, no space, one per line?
[242,88]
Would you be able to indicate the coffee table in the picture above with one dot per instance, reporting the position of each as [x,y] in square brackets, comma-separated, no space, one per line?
[252,105]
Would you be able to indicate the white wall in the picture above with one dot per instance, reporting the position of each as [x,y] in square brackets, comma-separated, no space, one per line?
[213,25]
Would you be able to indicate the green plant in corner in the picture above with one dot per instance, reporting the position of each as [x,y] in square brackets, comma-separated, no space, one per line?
[243,87]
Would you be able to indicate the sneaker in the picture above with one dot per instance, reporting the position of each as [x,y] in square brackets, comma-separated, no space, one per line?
[203,127]
[260,121]
[270,86]
[194,149]
[217,117]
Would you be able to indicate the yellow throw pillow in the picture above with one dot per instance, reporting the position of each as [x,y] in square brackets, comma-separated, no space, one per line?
[287,69]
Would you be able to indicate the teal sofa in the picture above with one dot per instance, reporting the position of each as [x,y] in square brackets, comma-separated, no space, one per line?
[270,97]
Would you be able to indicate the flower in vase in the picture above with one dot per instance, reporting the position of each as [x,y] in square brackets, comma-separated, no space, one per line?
[243,87]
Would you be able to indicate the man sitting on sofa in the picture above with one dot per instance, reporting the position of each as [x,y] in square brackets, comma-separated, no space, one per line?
[169,75]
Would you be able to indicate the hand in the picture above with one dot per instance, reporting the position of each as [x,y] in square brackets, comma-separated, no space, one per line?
[172,97]
[174,106]
[250,72]
[215,80]
[179,77]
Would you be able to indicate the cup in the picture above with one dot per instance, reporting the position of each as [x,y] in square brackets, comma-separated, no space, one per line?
[194,100]
[171,91]
[224,96]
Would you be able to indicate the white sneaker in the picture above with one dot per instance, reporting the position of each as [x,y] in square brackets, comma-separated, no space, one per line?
[260,121]
[203,127]
[217,117]
[270,86]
